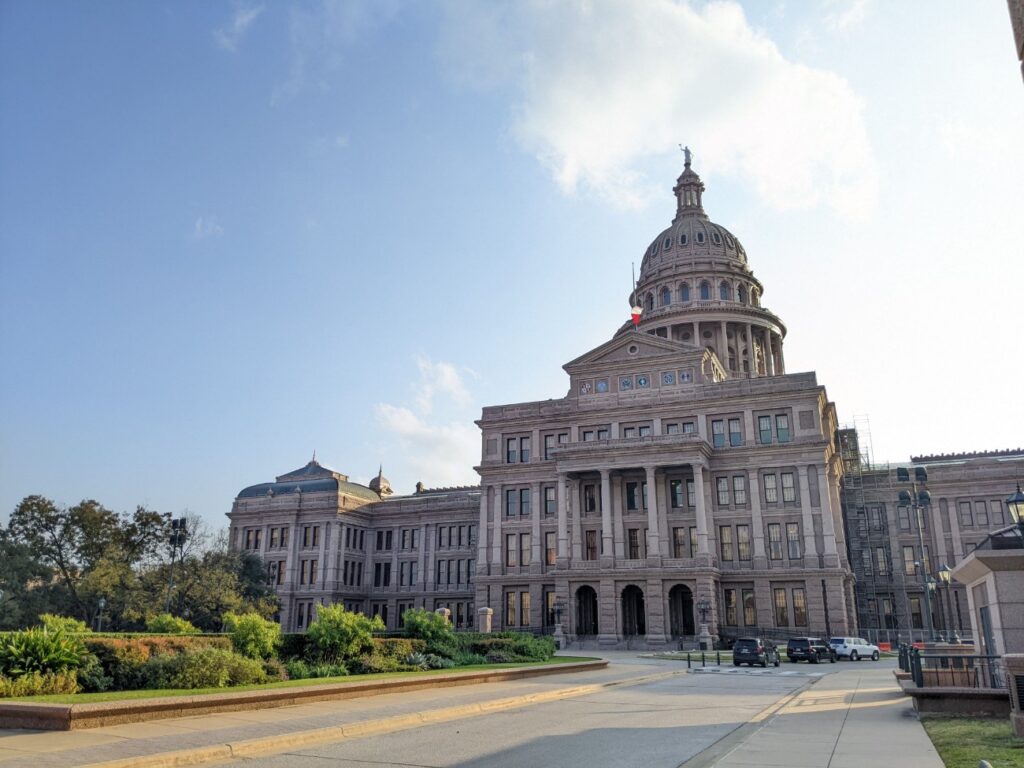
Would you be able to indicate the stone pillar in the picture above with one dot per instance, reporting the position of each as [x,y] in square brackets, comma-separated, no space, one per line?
[481,560]
[618,528]
[577,522]
[486,618]
[535,549]
[653,531]
[607,555]
[810,545]
[481,544]
[497,514]
[702,513]
[563,520]
[828,522]
[663,528]
[654,607]
[769,354]
[757,522]
[782,359]
[430,547]
[723,353]
[696,335]
[446,613]
[751,357]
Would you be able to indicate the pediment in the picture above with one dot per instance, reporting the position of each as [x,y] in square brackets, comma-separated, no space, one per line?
[631,347]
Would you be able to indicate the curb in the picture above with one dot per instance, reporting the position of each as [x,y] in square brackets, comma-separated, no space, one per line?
[285,741]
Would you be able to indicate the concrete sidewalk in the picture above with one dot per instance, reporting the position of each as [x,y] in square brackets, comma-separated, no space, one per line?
[191,740]
[852,719]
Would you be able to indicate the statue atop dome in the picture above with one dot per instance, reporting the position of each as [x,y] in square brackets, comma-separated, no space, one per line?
[687,156]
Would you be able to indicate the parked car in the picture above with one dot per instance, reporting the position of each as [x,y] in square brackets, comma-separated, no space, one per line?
[754,650]
[812,649]
[854,648]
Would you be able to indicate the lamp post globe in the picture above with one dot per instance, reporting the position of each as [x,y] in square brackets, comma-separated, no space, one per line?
[1016,506]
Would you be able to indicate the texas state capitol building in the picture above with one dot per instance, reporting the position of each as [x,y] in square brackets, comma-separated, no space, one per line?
[684,465]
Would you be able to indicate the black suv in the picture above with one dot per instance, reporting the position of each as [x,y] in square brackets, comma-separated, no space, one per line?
[812,649]
[754,650]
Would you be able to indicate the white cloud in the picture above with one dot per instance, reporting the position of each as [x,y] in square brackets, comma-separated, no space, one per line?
[230,36]
[604,87]
[439,449]
[205,227]
[842,15]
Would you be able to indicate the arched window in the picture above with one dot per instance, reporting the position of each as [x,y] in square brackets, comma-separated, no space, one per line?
[755,298]
[667,244]
[684,292]
[682,239]
[742,294]
[705,291]
[700,237]
[724,291]
[717,238]
[666,296]
[649,302]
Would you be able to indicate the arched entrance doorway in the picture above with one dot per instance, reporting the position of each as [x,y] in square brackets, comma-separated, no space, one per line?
[680,611]
[586,611]
[634,620]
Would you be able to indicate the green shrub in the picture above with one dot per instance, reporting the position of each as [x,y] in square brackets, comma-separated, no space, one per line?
[166,624]
[373,663]
[36,684]
[294,645]
[418,660]
[124,657]
[438,662]
[252,635]
[432,628]
[339,635]
[91,677]
[203,668]
[514,646]
[398,647]
[300,670]
[37,650]
[275,670]
[53,623]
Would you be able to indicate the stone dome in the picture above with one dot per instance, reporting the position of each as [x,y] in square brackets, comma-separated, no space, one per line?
[380,484]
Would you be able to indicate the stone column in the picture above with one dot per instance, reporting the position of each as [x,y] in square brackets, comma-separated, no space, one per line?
[535,550]
[810,545]
[430,548]
[723,353]
[751,358]
[653,532]
[828,522]
[769,354]
[577,522]
[696,335]
[481,543]
[607,555]
[563,520]
[782,358]
[663,507]
[757,522]
[481,560]
[498,514]
[702,513]
[618,531]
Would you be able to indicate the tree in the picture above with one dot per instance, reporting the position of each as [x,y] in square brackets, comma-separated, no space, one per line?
[27,585]
[49,533]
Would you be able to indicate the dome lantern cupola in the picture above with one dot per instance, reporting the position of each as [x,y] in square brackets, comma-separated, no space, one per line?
[688,190]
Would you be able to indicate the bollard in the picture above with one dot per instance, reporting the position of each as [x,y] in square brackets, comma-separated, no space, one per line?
[703,661]
[718,658]
[688,661]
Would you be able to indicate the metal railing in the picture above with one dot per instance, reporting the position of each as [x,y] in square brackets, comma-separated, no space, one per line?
[936,670]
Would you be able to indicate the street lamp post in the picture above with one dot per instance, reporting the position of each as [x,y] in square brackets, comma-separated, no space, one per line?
[559,635]
[946,575]
[919,501]
[1016,506]
[704,608]
[99,614]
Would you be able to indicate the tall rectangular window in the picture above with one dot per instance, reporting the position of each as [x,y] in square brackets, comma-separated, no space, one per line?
[764,429]
[981,513]
[678,543]
[524,609]
[691,494]
[739,489]
[633,535]
[510,609]
[735,434]
[916,616]
[793,540]
[274,538]
[725,541]
[799,607]
[881,561]
[775,541]
[781,608]
[693,541]
[718,433]
[550,598]
[589,498]
[966,516]
[549,446]
[722,485]
[524,549]
[903,518]
[731,608]
[675,493]
[591,546]
[510,549]
[865,560]
[632,496]
[511,450]
[550,507]
[550,553]
[524,450]
[788,487]
[511,502]
[749,608]
[743,542]
[524,502]
[771,490]
[782,427]
[908,561]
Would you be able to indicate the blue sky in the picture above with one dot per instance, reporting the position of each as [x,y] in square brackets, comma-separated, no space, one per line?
[235,233]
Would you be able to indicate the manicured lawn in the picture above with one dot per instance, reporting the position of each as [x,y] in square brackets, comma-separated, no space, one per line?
[85,698]
[962,742]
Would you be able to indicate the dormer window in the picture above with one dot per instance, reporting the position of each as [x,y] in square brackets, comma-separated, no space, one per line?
[717,238]
[682,238]
[667,244]
[700,237]
[654,249]
[728,241]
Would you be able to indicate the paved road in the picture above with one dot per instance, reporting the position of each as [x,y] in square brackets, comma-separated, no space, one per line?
[659,723]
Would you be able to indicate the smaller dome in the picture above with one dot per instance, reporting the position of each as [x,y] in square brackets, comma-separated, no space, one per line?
[380,484]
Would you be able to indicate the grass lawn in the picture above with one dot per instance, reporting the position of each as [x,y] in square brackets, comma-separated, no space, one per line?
[962,742]
[85,698]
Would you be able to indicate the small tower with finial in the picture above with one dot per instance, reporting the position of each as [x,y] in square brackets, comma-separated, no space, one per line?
[380,484]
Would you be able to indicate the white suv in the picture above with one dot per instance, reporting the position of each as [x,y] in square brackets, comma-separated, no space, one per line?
[854,648]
